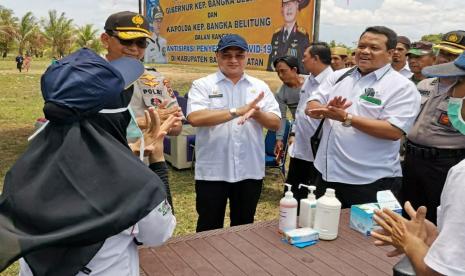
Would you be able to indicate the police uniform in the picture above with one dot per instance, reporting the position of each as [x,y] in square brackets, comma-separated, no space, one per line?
[156,51]
[294,45]
[433,147]
[151,89]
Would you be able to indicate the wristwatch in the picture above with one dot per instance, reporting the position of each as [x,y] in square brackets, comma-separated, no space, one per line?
[347,120]
[233,112]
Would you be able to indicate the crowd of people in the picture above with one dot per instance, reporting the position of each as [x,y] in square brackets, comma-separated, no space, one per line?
[361,107]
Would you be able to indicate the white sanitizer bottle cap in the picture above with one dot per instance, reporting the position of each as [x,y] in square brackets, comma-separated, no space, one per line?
[288,194]
[330,192]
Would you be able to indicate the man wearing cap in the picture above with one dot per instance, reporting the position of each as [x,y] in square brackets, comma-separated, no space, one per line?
[434,250]
[156,51]
[338,58]
[290,39]
[433,144]
[367,112]
[230,109]
[419,56]
[399,58]
[126,34]
[317,61]
[287,68]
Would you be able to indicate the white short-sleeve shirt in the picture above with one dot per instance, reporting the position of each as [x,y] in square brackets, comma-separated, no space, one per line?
[348,155]
[118,254]
[228,151]
[304,127]
[447,252]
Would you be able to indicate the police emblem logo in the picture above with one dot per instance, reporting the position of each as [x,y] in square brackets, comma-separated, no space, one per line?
[147,77]
[150,83]
[452,38]
[155,101]
[138,20]
[444,119]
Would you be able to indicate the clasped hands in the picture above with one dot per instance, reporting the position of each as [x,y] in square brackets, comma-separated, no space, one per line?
[335,109]
[405,235]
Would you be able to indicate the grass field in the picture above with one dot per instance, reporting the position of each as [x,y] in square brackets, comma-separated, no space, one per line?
[21,103]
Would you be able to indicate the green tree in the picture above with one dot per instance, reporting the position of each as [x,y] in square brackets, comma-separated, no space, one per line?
[434,38]
[8,29]
[26,28]
[37,43]
[59,32]
[87,36]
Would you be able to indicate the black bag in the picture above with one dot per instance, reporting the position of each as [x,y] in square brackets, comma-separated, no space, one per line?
[316,138]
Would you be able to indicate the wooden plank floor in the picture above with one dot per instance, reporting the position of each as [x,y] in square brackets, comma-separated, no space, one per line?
[256,249]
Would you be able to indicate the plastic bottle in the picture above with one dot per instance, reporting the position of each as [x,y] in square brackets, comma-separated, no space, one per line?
[328,211]
[287,211]
[307,208]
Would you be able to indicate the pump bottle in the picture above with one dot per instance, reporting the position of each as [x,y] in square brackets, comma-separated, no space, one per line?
[328,211]
[307,208]
[287,211]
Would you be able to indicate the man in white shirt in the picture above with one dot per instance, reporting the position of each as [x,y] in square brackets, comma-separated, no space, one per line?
[399,58]
[366,114]
[230,109]
[317,61]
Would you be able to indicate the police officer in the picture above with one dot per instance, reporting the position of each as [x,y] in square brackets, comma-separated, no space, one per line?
[156,52]
[433,145]
[290,39]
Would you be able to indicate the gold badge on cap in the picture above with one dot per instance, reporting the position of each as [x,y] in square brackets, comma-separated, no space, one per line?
[138,20]
[452,38]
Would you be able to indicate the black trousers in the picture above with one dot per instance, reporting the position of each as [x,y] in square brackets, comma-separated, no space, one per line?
[349,194]
[424,180]
[212,196]
[300,172]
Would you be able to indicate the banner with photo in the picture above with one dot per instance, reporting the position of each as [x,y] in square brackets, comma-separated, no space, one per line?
[187,31]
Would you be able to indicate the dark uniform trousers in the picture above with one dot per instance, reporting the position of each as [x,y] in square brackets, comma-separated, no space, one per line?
[349,194]
[300,172]
[212,196]
[425,172]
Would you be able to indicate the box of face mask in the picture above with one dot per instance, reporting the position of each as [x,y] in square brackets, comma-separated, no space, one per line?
[361,215]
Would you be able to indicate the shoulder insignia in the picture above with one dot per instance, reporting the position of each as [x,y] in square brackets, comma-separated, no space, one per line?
[277,30]
[301,30]
[434,81]
[151,69]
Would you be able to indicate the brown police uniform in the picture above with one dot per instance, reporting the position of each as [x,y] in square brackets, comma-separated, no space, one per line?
[433,145]
[295,45]
[151,89]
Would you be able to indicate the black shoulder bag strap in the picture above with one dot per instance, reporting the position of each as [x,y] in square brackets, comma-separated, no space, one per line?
[316,138]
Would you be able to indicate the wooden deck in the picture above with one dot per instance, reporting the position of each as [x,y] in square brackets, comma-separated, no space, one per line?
[256,249]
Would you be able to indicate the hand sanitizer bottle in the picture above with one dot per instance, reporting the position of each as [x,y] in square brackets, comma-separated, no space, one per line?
[328,211]
[307,208]
[287,211]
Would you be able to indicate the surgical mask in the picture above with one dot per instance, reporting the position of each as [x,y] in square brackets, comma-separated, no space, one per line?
[454,111]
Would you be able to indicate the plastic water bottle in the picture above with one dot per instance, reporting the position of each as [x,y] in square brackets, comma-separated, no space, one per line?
[328,211]
[287,211]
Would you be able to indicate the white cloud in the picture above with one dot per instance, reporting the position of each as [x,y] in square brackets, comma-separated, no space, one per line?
[412,18]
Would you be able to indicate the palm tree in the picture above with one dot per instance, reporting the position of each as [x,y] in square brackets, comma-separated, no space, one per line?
[8,29]
[37,43]
[87,37]
[59,32]
[26,29]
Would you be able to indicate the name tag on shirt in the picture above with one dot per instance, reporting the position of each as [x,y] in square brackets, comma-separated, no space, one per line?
[215,96]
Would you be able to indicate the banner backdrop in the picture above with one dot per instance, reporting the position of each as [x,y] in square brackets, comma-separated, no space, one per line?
[187,31]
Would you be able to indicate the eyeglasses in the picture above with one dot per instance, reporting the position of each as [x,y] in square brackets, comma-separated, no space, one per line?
[140,42]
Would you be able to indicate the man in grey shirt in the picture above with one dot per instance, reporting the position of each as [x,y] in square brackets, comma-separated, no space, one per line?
[287,68]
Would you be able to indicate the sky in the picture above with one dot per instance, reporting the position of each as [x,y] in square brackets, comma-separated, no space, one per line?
[341,20]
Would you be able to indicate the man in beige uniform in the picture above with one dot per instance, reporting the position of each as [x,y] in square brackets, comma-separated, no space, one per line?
[433,145]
